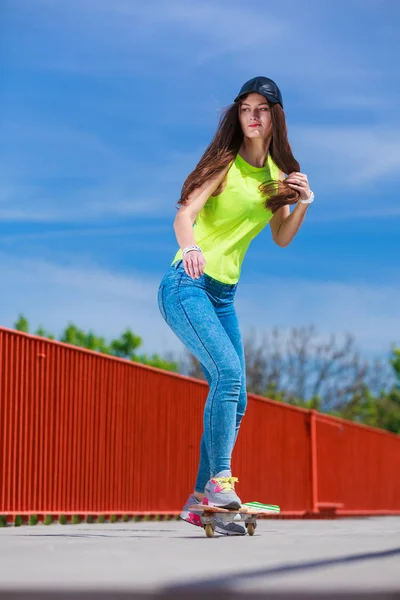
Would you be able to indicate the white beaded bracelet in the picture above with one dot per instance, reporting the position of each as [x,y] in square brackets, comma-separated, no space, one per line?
[190,248]
[309,200]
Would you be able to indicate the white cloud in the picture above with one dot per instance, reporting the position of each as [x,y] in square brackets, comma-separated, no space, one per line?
[331,214]
[342,159]
[52,294]
[107,202]
[338,159]
[99,36]
[369,311]
[86,232]
[121,27]
[126,37]
[349,156]
[355,99]
[33,148]
[78,177]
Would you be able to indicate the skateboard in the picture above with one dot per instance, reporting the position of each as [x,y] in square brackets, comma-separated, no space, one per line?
[248,513]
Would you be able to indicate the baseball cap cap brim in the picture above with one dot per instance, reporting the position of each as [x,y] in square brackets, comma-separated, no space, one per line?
[264,86]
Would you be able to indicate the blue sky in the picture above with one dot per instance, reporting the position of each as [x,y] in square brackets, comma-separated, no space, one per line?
[107,105]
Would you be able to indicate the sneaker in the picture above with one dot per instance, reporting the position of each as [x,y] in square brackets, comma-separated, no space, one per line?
[220,491]
[188,516]
[220,526]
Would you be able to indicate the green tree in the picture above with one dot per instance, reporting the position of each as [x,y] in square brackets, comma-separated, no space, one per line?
[388,405]
[78,337]
[123,347]
[378,410]
[357,387]
[22,324]
[157,361]
[41,332]
[395,362]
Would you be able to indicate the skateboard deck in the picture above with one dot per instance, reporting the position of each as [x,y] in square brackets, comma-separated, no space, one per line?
[248,513]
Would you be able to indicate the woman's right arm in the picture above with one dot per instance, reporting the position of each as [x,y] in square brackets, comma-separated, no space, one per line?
[194,262]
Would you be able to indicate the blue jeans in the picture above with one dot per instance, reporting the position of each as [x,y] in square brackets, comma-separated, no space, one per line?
[202,315]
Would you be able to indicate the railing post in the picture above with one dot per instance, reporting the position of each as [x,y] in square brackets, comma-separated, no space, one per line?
[314,461]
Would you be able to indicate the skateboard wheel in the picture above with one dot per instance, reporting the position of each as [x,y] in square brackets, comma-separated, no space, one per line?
[209,530]
[250,528]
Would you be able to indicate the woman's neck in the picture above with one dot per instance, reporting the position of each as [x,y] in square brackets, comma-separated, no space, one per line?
[255,152]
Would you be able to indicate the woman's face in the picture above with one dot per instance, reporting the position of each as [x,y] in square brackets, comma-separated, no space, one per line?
[255,116]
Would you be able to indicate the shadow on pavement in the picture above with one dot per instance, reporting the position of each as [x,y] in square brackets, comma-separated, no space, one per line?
[216,587]
[205,595]
[241,577]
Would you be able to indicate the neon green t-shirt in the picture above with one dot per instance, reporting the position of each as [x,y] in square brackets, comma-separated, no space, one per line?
[228,223]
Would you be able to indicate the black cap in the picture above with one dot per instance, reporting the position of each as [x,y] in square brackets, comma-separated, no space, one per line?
[264,86]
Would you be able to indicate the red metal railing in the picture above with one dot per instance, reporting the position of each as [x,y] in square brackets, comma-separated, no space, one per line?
[273,455]
[85,433]
[357,467]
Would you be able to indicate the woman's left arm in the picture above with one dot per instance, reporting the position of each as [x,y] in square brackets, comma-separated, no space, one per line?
[285,224]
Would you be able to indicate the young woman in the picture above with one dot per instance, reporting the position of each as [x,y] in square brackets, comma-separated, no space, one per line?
[235,190]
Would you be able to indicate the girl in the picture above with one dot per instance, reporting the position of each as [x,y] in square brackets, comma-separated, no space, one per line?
[235,190]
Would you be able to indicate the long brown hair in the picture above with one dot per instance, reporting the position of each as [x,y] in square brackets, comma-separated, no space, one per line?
[226,144]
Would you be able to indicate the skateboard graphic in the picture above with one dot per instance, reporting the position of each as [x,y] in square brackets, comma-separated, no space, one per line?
[248,513]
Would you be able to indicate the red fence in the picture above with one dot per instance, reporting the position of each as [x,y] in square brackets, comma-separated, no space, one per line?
[84,433]
[356,467]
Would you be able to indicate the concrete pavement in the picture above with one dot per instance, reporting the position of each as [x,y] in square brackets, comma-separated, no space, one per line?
[286,558]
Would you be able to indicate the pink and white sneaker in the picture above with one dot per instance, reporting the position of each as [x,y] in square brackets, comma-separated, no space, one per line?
[220,491]
[188,516]
[220,526]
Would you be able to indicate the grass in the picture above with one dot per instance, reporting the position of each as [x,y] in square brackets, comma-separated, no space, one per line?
[76,519]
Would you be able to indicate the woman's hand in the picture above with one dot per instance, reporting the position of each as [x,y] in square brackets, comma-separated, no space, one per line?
[194,263]
[299,182]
